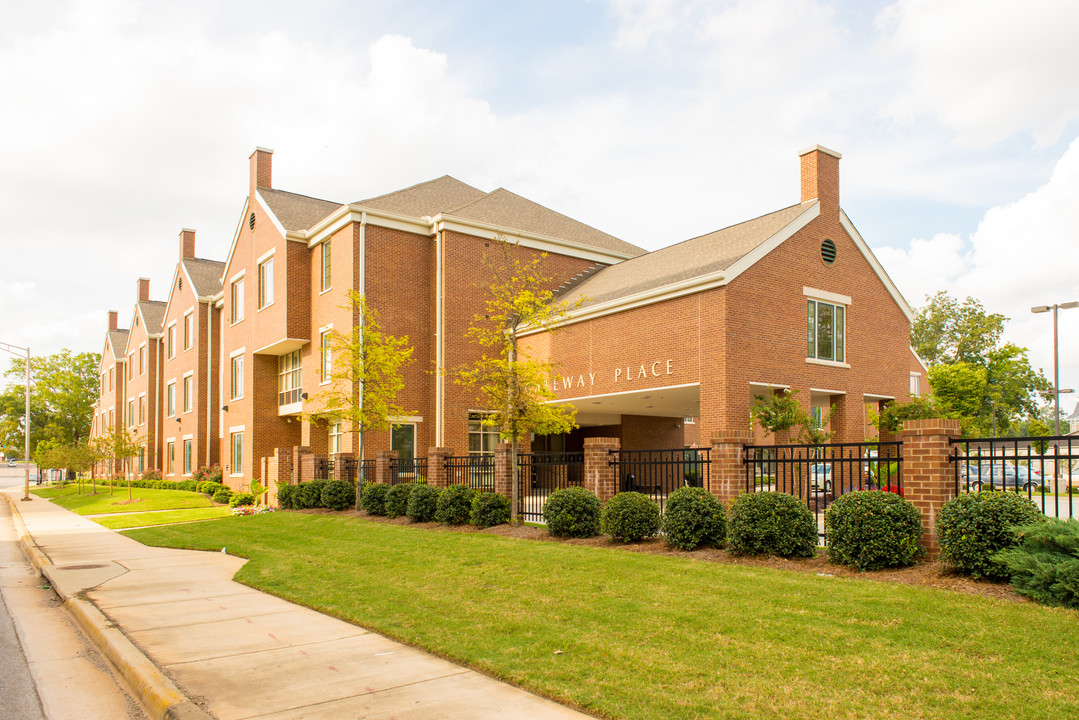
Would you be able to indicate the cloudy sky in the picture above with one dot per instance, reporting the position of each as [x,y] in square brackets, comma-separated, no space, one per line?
[653,120]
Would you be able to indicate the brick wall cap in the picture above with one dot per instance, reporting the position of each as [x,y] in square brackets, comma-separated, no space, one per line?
[731,436]
[821,148]
[932,426]
[602,442]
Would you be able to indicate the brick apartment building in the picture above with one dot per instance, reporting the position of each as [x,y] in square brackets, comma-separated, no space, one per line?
[142,386]
[109,409]
[666,348]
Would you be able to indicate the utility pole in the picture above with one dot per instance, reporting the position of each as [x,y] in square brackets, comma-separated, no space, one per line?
[26,420]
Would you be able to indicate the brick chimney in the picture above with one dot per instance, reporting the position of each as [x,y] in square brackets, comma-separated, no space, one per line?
[143,289]
[261,170]
[187,243]
[113,318]
[820,177]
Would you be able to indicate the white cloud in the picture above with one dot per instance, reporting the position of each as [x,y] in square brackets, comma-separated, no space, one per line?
[986,70]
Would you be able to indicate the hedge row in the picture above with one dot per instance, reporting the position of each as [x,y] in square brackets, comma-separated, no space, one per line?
[455,505]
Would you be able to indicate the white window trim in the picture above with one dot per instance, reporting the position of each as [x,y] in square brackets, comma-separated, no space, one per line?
[828,297]
[189,374]
[258,274]
[263,258]
[321,365]
[232,283]
[322,290]
[236,429]
[827,363]
[171,345]
[170,412]
[190,314]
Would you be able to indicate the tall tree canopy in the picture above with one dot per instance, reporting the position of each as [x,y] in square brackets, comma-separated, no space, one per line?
[62,394]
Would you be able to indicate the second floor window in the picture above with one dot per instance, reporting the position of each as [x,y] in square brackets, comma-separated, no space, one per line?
[237,376]
[238,301]
[142,409]
[189,393]
[827,331]
[266,283]
[188,332]
[326,278]
[142,360]
[170,341]
[170,399]
[326,356]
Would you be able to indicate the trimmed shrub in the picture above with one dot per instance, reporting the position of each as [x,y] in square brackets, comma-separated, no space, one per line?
[870,530]
[572,512]
[150,475]
[490,509]
[310,494]
[423,503]
[241,498]
[373,498]
[286,496]
[694,517]
[455,505]
[397,499]
[222,496]
[1045,565]
[211,487]
[974,526]
[629,517]
[771,523]
[338,495]
[187,485]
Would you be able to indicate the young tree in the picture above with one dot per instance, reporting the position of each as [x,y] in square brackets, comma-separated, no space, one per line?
[365,377]
[62,397]
[515,386]
[118,444]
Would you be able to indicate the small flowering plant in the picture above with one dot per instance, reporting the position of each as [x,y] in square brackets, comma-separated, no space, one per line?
[252,509]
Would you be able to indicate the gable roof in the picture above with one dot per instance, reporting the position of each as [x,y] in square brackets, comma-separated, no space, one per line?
[508,209]
[296,212]
[426,199]
[684,261]
[118,340]
[153,315]
[205,275]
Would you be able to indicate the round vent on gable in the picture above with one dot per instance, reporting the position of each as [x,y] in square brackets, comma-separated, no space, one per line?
[827,252]
[251,221]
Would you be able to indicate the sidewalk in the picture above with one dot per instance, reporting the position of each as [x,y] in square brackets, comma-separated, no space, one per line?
[194,644]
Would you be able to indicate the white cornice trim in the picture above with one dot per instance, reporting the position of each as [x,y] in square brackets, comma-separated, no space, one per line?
[560,401]
[347,214]
[875,264]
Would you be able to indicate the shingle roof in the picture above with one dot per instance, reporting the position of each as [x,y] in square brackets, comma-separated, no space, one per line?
[296,212]
[507,209]
[687,260]
[205,275]
[118,339]
[153,314]
[426,199]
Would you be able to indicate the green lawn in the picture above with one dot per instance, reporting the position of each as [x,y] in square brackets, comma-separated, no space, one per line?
[164,517]
[630,635]
[144,499]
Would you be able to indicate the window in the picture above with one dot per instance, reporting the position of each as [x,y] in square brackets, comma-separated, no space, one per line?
[188,333]
[170,399]
[237,301]
[170,458]
[826,331]
[131,366]
[237,454]
[288,378]
[131,412]
[326,279]
[112,418]
[170,341]
[914,378]
[403,440]
[237,377]
[326,356]
[142,360]
[111,374]
[142,460]
[266,283]
[335,438]
[189,393]
[481,438]
[142,409]
[187,456]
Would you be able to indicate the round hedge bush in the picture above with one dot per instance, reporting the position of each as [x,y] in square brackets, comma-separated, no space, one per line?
[285,494]
[771,523]
[373,499]
[338,495]
[630,517]
[423,503]
[222,496]
[309,494]
[871,529]
[455,505]
[241,498]
[572,512]
[694,517]
[974,526]
[490,509]
[187,485]
[397,499]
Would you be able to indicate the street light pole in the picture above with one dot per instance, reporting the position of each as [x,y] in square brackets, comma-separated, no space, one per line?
[26,420]
[1056,353]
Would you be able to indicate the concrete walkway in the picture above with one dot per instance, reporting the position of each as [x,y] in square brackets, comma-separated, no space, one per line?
[194,644]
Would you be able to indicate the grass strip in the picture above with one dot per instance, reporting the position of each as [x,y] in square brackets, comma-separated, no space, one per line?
[143,499]
[629,635]
[163,517]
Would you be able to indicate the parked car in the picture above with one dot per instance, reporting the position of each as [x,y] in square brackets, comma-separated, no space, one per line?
[1000,475]
[11,463]
[820,477]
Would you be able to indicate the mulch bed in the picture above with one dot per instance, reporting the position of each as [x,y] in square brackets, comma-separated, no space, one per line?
[926,574]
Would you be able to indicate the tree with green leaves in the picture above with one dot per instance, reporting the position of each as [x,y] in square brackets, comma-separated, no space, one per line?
[62,395]
[364,378]
[118,444]
[515,387]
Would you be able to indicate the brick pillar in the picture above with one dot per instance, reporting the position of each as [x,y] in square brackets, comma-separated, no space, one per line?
[727,473]
[270,478]
[386,467]
[305,468]
[928,478]
[436,467]
[339,461]
[600,477]
[297,451]
[504,469]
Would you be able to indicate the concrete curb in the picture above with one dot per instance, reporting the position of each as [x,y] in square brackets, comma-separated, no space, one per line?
[158,695]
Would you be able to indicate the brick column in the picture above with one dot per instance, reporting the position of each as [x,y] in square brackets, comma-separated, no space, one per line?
[386,467]
[339,466]
[727,473]
[504,469]
[600,477]
[928,478]
[306,467]
[297,452]
[436,467]
[270,470]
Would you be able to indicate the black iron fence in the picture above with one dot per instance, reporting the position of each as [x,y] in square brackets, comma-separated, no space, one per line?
[658,473]
[818,474]
[324,468]
[1043,469]
[543,473]
[476,471]
[411,469]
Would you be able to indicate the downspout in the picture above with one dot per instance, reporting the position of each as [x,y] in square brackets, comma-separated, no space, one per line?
[440,237]
[209,375]
[355,316]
